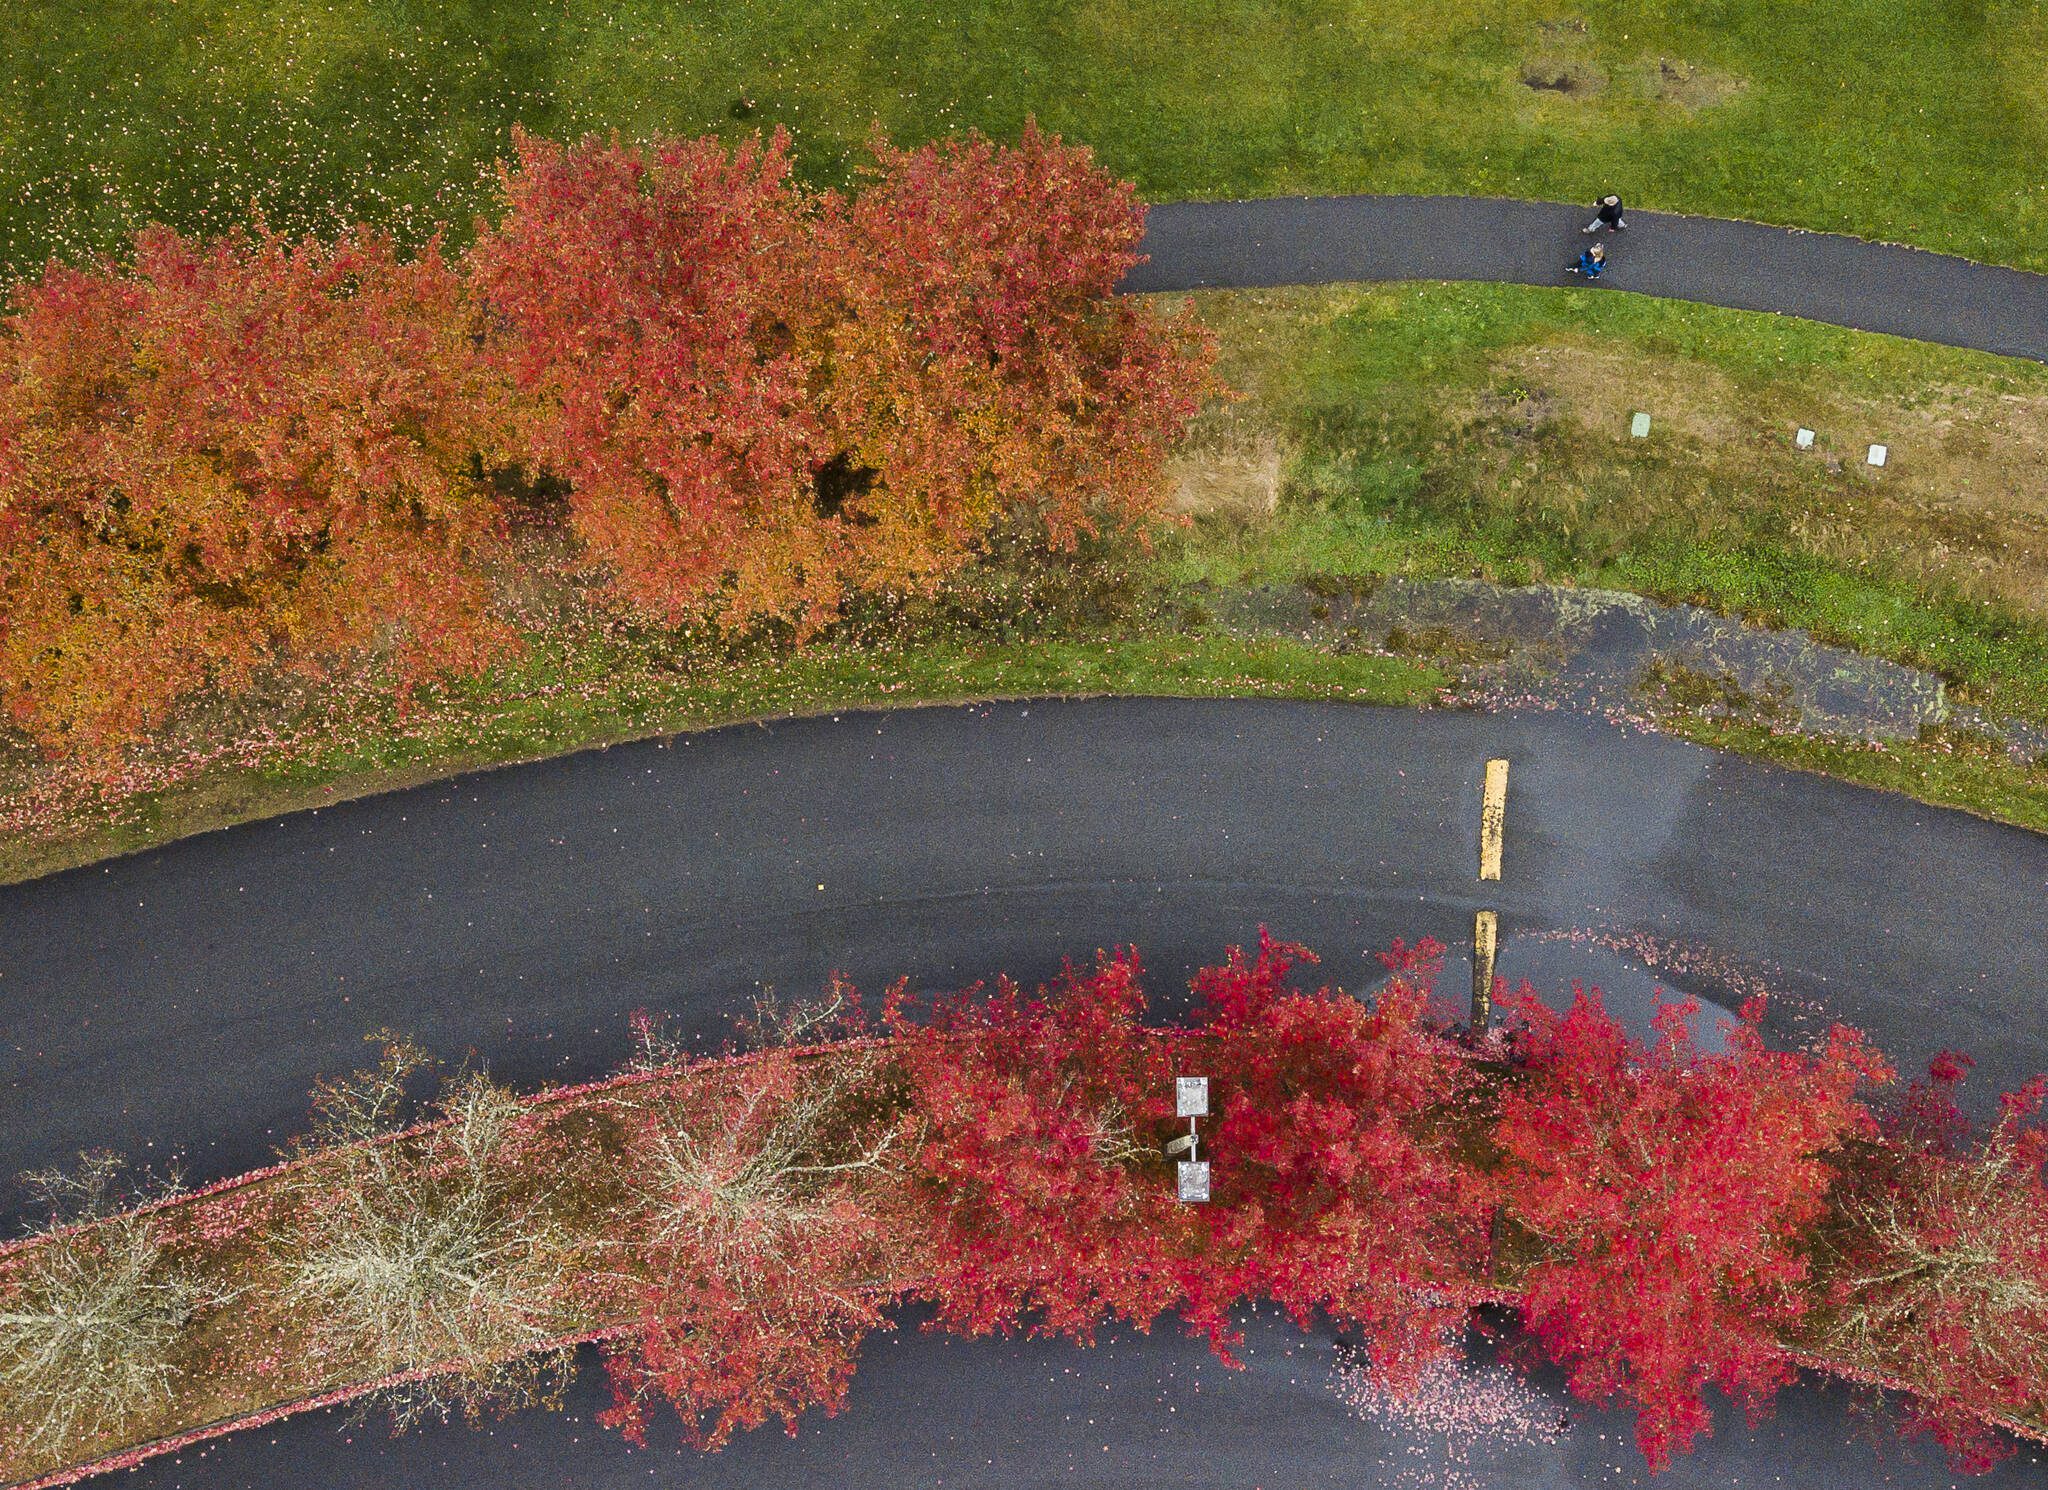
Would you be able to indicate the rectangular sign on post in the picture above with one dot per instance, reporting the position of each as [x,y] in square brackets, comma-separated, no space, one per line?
[1194,1181]
[1191,1096]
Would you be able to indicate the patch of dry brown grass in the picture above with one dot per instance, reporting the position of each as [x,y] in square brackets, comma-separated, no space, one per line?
[1962,500]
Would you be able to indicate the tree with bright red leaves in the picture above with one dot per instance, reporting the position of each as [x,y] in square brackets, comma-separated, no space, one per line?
[1038,1170]
[1338,1188]
[1936,1263]
[1673,1194]
[1341,1188]
[232,453]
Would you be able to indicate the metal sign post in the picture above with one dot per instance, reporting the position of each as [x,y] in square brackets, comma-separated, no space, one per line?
[1191,1101]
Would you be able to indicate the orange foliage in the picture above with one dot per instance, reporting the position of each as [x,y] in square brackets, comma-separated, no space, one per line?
[231,453]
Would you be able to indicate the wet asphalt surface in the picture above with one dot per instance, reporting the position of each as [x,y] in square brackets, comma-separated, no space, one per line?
[185,999]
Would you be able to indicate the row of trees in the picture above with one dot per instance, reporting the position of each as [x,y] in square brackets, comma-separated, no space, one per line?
[739,396]
[1663,1219]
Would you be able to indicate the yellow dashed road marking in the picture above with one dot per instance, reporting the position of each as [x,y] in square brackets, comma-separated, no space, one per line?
[1485,934]
[1493,816]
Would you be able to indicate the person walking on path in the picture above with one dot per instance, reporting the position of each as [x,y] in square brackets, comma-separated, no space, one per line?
[1592,260]
[1609,213]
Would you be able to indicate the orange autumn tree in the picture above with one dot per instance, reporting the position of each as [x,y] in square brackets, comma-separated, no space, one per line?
[756,397]
[762,396]
[643,301]
[231,453]
[980,367]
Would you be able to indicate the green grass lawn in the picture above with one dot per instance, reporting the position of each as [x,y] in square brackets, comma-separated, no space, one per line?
[1918,120]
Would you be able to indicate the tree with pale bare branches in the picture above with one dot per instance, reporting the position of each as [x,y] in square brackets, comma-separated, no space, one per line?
[1937,1262]
[435,1256]
[91,1315]
[768,1233]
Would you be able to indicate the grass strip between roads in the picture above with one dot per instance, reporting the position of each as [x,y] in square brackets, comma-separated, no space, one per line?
[570,699]
[1424,430]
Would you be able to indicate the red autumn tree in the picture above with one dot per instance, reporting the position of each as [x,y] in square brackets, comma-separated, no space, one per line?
[645,302]
[1337,1189]
[1673,1192]
[762,396]
[232,453]
[1340,1188]
[1936,1266]
[1039,1169]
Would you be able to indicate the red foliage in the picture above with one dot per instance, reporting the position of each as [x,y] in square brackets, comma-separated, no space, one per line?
[759,396]
[1359,1159]
[1672,1192]
[979,363]
[1337,1188]
[1340,1188]
[1038,1170]
[644,301]
[768,1247]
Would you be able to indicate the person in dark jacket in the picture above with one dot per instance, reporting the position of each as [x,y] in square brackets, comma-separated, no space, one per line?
[1608,214]
[1591,261]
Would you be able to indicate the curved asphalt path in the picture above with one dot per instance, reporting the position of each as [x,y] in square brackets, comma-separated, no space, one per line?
[185,998]
[1748,266]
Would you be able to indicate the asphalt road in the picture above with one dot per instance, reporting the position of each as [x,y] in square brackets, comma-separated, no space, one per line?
[1820,276]
[187,997]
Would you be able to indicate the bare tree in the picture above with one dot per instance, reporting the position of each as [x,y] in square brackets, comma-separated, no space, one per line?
[1958,1247]
[90,1317]
[741,1180]
[437,1253]
[766,1216]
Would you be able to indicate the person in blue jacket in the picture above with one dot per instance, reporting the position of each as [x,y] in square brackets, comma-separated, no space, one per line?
[1592,261]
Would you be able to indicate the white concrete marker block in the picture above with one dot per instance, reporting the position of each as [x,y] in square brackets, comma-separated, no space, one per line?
[1639,426]
[1804,439]
[1877,455]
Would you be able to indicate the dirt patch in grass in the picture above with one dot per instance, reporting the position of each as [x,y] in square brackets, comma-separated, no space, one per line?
[1961,499]
[1689,88]
[1598,387]
[1240,478]
[1567,77]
